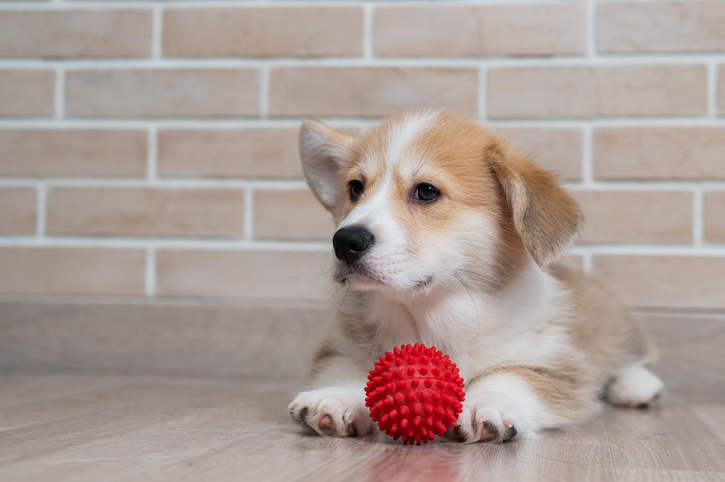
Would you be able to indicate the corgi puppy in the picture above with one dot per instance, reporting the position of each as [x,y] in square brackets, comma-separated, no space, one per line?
[446,236]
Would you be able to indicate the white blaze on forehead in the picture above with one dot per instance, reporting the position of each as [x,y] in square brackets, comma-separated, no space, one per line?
[375,213]
[403,133]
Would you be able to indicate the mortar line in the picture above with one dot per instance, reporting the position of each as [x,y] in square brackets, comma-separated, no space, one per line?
[588,154]
[587,262]
[712,73]
[238,243]
[248,214]
[152,155]
[150,273]
[157,32]
[233,244]
[41,209]
[698,217]
[483,92]
[368,51]
[264,91]
[591,26]
[300,184]
[195,4]
[59,93]
[207,124]
[362,61]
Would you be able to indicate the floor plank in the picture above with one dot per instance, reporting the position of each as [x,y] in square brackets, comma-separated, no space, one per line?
[644,475]
[111,413]
[275,456]
[713,417]
[667,437]
[578,455]
[21,387]
[119,429]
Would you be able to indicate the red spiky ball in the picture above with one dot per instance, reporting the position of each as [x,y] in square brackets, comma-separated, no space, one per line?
[414,393]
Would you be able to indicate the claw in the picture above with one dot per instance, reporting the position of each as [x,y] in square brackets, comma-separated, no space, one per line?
[458,433]
[327,423]
[489,431]
[510,433]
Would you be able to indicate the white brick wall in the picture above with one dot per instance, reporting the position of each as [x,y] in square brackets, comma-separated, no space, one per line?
[641,77]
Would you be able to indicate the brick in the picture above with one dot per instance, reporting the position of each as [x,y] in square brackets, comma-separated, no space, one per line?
[636,217]
[606,91]
[715,217]
[164,93]
[263,32]
[232,153]
[17,210]
[75,33]
[73,152]
[370,91]
[474,31]
[665,281]
[659,153]
[241,274]
[26,93]
[291,215]
[660,27]
[255,153]
[78,271]
[557,150]
[142,211]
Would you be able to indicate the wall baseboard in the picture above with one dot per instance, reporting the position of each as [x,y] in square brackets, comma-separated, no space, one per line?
[265,339]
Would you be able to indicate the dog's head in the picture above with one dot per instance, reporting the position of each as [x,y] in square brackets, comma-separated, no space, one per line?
[429,199]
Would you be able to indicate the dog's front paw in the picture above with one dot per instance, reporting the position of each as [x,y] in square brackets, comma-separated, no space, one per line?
[489,417]
[332,411]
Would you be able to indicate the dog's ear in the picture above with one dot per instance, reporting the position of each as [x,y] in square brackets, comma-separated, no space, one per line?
[545,216]
[324,151]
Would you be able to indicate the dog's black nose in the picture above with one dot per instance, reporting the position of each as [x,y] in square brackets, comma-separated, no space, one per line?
[351,242]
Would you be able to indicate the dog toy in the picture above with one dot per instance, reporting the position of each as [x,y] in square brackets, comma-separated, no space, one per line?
[414,393]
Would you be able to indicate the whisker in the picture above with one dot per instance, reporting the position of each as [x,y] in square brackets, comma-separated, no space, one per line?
[478,318]
[313,275]
[342,303]
[487,280]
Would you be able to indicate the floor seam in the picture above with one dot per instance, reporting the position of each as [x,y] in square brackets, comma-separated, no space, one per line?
[609,445]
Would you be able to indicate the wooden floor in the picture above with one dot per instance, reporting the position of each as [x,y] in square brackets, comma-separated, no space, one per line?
[110,428]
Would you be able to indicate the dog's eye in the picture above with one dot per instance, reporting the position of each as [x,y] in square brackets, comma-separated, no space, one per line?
[426,192]
[356,189]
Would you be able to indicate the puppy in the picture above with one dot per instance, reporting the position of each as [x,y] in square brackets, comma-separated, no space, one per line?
[446,236]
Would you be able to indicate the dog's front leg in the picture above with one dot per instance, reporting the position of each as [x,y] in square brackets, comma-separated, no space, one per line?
[336,403]
[519,401]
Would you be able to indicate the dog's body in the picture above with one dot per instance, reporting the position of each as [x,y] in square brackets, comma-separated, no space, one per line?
[445,237]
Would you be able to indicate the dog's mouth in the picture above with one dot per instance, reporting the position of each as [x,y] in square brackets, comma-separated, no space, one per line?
[424,283]
[344,274]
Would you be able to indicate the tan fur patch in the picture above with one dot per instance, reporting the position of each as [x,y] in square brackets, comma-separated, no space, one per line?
[564,390]
[545,216]
[602,326]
